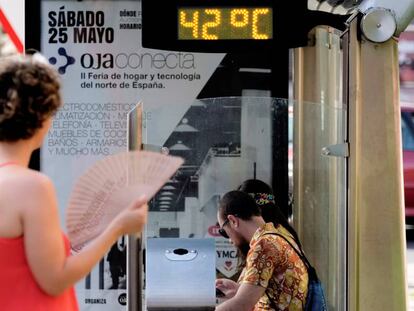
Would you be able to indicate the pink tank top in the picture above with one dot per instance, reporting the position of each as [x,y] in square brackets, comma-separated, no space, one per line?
[18,288]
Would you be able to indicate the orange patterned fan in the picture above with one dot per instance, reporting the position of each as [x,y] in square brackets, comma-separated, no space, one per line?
[110,185]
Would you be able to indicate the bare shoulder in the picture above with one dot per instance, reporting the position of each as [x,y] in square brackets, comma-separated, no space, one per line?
[22,178]
[22,186]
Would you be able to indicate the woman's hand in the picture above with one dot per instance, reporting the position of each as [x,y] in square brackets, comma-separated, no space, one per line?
[132,219]
[228,287]
[50,266]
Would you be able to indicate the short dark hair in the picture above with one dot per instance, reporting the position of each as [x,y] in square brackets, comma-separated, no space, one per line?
[238,203]
[29,94]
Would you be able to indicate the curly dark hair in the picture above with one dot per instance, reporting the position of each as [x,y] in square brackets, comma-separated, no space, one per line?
[29,94]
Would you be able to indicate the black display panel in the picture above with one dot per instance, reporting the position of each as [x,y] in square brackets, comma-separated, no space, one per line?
[218,23]
[230,25]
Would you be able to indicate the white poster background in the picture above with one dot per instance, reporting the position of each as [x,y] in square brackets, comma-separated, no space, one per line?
[14,11]
[96,46]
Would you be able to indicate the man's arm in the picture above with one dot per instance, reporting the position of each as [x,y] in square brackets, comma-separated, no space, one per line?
[245,299]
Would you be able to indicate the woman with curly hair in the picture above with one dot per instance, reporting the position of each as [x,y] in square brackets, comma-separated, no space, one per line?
[37,272]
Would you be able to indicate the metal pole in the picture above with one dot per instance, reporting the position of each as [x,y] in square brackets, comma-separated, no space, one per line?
[134,243]
[376,231]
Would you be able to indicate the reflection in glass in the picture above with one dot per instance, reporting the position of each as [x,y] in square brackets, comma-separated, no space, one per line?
[232,140]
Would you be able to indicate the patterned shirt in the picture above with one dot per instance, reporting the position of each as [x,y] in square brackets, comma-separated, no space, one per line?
[273,264]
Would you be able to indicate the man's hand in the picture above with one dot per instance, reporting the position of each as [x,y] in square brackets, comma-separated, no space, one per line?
[246,297]
[228,287]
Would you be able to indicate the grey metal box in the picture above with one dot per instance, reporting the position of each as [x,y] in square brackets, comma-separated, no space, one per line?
[180,274]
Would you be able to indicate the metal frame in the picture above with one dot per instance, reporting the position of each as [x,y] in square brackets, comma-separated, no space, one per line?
[402,9]
[376,232]
[135,269]
[318,82]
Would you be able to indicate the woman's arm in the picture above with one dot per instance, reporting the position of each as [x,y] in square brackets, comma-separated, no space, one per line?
[44,246]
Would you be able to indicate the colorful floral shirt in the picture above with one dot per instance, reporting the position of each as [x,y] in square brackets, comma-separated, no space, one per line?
[274,265]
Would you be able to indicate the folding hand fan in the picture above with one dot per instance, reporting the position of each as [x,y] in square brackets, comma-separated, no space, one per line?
[110,185]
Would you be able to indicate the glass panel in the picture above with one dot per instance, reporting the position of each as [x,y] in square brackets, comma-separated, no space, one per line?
[320,211]
[225,141]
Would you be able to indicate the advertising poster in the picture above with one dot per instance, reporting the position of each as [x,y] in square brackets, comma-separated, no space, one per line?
[227,259]
[96,47]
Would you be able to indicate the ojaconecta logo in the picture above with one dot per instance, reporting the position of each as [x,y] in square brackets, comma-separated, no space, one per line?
[122,299]
[68,60]
[172,60]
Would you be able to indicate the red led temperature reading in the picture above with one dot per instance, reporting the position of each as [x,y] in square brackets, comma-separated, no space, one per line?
[225,23]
